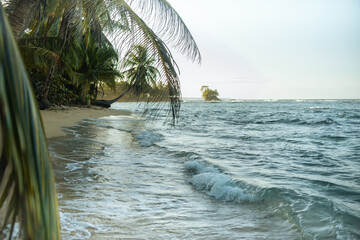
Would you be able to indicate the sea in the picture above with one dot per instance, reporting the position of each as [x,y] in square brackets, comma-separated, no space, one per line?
[236,169]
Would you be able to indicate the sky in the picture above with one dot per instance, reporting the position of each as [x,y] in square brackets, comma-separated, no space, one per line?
[273,49]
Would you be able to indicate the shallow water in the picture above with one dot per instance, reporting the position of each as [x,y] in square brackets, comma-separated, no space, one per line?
[231,170]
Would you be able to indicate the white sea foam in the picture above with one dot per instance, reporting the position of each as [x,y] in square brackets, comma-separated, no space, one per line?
[15,233]
[317,107]
[211,181]
[197,167]
[148,138]
[271,100]
[75,228]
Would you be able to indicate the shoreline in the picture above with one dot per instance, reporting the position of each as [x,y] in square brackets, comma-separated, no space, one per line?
[56,118]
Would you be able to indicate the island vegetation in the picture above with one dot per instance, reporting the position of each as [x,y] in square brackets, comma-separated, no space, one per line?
[209,94]
[67,52]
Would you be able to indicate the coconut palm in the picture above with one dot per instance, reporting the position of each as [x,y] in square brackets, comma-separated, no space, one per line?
[44,58]
[150,23]
[27,184]
[93,64]
[139,72]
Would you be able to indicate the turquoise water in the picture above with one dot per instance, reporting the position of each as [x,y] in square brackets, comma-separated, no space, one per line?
[230,170]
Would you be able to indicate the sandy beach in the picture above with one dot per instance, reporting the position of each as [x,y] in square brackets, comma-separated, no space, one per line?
[54,119]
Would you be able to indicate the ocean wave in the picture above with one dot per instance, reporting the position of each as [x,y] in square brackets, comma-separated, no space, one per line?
[280,121]
[293,121]
[148,138]
[354,116]
[319,108]
[335,138]
[326,121]
[298,208]
[271,100]
[74,227]
[212,182]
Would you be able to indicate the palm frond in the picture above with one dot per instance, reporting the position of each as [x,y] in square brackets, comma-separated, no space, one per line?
[167,24]
[44,59]
[75,27]
[50,6]
[71,26]
[95,13]
[37,57]
[141,34]
[25,162]
[9,5]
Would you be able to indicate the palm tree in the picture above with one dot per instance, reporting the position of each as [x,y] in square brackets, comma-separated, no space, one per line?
[27,183]
[127,24]
[93,64]
[140,73]
[47,62]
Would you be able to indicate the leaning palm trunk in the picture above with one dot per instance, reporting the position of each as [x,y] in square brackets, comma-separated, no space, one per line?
[107,103]
[26,179]
[47,84]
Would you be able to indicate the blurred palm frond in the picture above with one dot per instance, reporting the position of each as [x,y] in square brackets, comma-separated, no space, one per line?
[25,166]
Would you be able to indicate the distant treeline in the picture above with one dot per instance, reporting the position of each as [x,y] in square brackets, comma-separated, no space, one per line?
[158,93]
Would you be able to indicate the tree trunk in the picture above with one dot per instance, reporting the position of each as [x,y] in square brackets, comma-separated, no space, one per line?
[20,16]
[48,24]
[97,31]
[47,83]
[43,102]
[65,27]
[107,103]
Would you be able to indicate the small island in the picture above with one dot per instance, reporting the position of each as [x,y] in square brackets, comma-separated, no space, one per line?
[209,94]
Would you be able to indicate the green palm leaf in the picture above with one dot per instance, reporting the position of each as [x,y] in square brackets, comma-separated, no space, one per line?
[125,28]
[167,24]
[141,34]
[140,72]
[44,59]
[25,163]
[150,23]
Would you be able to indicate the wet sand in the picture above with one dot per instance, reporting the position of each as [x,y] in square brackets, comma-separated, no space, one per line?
[54,119]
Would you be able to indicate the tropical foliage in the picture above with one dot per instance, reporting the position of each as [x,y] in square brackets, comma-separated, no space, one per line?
[209,94]
[160,91]
[70,49]
[93,64]
[47,34]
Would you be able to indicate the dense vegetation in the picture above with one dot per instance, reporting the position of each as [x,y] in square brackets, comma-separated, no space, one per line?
[160,91]
[71,50]
[209,94]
